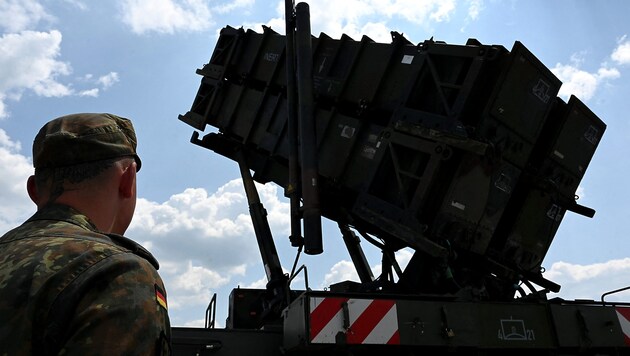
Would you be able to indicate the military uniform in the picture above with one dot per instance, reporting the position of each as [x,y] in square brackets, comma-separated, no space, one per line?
[65,286]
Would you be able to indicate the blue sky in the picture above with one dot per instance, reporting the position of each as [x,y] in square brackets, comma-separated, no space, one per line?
[137,58]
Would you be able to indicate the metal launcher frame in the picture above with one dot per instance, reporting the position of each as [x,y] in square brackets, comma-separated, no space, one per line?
[463,153]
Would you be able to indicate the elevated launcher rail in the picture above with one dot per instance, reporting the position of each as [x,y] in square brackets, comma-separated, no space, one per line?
[463,153]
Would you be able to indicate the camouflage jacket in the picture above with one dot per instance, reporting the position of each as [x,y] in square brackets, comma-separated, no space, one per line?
[66,288]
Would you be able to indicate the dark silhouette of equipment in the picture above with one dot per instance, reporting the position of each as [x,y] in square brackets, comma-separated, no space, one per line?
[464,154]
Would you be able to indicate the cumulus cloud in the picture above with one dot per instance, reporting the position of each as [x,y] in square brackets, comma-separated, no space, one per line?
[15,206]
[344,19]
[359,17]
[203,241]
[591,281]
[233,5]
[474,9]
[341,271]
[344,270]
[377,31]
[258,284]
[166,16]
[416,11]
[30,61]
[194,285]
[104,81]
[3,107]
[582,83]
[198,323]
[90,92]
[78,4]
[578,281]
[108,80]
[19,15]
[621,54]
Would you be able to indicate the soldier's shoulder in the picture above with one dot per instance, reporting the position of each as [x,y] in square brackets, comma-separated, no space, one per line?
[134,248]
[63,241]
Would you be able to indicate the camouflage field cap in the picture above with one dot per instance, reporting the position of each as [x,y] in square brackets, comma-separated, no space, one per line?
[83,138]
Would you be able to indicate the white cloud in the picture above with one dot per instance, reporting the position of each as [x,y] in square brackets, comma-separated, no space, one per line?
[591,281]
[337,17]
[19,15]
[258,284]
[78,4]
[196,279]
[621,54]
[344,270]
[15,206]
[203,241]
[105,82]
[581,83]
[166,16]
[377,31]
[194,209]
[199,323]
[233,5]
[108,80]
[89,92]
[357,17]
[575,81]
[28,61]
[474,9]
[193,285]
[442,11]
[584,84]
[580,192]
[341,271]
[577,281]
[403,257]
[416,11]
[3,109]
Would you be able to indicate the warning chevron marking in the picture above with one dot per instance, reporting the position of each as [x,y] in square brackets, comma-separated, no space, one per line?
[369,321]
[623,314]
[372,317]
[323,311]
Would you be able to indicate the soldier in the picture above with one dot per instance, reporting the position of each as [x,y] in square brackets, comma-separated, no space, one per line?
[70,283]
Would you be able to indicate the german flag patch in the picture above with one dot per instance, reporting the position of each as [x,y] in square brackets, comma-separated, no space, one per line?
[160,297]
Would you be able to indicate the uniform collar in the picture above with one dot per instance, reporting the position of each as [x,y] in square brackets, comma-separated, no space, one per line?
[65,213]
[60,212]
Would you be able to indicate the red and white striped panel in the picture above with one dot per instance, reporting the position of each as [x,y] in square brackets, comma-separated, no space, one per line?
[372,321]
[624,320]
